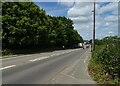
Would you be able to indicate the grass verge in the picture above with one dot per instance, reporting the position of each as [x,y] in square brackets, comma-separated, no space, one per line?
[97,72]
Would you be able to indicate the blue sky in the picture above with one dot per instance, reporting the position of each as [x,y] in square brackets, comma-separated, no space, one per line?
[53,8]
[82,16]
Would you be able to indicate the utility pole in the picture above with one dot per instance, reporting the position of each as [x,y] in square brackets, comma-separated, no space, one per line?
[93,41]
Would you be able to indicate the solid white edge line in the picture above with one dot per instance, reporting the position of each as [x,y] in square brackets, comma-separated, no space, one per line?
[7,67]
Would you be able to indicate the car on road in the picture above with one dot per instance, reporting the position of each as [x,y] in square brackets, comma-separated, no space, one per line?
[87,46]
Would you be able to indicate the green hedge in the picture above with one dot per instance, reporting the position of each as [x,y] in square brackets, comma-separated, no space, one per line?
[107,54]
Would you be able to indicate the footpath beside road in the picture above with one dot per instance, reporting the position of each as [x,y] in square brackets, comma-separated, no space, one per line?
[76,73]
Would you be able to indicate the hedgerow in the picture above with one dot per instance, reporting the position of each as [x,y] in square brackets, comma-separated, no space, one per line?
[107,54]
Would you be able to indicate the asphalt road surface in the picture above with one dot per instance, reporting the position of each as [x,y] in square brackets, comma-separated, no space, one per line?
[39,68]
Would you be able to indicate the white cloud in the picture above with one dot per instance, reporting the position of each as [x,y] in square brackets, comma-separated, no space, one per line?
[109,7]
[66,3]
[82,16]
[110,32]
[87,0]
[111,18]
[80,9]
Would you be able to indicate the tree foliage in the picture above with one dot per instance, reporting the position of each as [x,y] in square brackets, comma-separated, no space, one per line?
[25,25]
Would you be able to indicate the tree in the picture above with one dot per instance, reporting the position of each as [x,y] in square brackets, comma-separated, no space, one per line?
[25,25]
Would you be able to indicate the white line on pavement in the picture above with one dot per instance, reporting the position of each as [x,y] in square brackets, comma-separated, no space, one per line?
[37,59]
[7,67]
[3,58]
[52,55]
[57,54]
[8,58]
[45,57]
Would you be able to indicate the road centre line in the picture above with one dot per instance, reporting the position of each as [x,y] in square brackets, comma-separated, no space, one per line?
[17,56]
[7,67]
[37,59]
[45,57]
[41,58]
[14,56]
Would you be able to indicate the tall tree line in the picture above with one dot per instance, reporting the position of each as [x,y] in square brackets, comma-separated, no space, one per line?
[25,25]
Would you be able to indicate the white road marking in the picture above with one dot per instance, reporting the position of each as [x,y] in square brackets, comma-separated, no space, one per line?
[63,53]
[17,56]
[7,67]
[3,58]
[37,59]
[51,55]
[41,58]
[24,55]
[8,58]
[58,54]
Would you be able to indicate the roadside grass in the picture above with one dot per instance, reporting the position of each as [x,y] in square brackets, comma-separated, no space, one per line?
[97,71]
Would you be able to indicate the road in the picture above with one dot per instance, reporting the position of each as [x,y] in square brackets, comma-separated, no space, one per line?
[43,68]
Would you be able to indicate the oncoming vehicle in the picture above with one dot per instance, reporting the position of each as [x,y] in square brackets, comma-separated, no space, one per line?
[80,45]
[87,46]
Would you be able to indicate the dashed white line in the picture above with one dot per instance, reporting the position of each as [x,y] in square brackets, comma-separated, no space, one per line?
[41,58]
[3,58]
[8,58]
[37,59]
[51,55]
[7,67]
[58,54]
[63,53]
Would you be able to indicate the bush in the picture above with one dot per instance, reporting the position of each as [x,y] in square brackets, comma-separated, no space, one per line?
[107,55]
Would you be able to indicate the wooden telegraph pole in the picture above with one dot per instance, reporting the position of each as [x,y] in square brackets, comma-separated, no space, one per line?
[93,42]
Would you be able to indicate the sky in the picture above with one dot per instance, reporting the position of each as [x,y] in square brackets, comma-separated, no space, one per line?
[82,16]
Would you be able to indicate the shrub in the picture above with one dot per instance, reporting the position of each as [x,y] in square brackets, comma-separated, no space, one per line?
[108,55]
